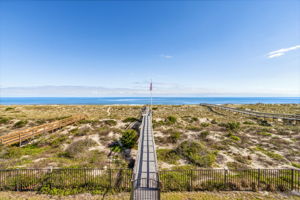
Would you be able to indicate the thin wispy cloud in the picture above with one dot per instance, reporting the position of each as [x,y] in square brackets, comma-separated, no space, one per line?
[166,56]
[282,51]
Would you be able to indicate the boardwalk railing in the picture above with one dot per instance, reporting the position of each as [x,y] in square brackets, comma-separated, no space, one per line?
[292,117]
[145,184]
[170,180]
[21,135]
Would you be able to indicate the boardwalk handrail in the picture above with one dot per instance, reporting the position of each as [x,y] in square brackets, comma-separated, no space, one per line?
[295,117]
[21,135]
[145,179]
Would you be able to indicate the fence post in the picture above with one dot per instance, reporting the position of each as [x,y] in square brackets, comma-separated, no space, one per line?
[225,178]
[293,175]
[18,181]
[191,180]
[110,179]
[258,179]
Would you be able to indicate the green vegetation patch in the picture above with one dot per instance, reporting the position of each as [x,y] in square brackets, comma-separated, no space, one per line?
[196,153]
[294,164]
[174,136]
[171,120]
[110,122]
[20,124]
[17,152]
[78,148]
[168,156]
[4,120]
[130,119]
[9,108]
[129,138]
[263,133]
[204,134]
[270,154]
[232,126]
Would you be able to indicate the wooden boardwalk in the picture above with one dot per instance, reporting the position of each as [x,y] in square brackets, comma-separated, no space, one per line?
[19,136]
[145,177]
[290,117]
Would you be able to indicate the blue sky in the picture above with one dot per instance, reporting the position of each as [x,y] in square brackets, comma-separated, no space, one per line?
[188,48]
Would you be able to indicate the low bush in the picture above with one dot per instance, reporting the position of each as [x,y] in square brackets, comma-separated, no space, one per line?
[171,120]
[296,164]
[264,123]
[57,141]
[103,131]
[110,122]
[194,128]
[20,124]
[204,134]
[232,126]
[129,138]
[168,156]
[174,136]
[9,108]
[204,124]
[4,120]
[17,152]
[248,123]
[263,133]
[78,148]
[196,153]
[130,119]
[273,155]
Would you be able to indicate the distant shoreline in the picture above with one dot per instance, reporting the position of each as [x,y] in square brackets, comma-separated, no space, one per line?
[145,100]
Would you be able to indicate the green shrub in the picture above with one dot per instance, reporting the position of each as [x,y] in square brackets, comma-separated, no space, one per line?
[212,185]
[103,131]
[171,120]
[174,136]
[129,138]
[232,126]
[17,152]
[296,164]
[205,124]
[110,122]
[196,153]
[263,133]
[20,124]
[78,148]
[264,123]
[248,123]
[4,120]
[130,119]
[57,141]
[235,138]
[81,131]
[194,128]
[167,155]
[214,121]
[9,108]
[204,134]
[273,155]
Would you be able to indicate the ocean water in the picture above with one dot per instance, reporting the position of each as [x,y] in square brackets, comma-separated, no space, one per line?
[145,100]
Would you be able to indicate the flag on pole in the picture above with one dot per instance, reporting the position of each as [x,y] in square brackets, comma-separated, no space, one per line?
[151,86]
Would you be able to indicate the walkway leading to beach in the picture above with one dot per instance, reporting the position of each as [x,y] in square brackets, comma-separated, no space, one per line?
[19,136]
[290,117]
[145,177]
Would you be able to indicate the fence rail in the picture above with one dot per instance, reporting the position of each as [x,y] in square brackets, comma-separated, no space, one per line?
[170,180]
[21,135]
